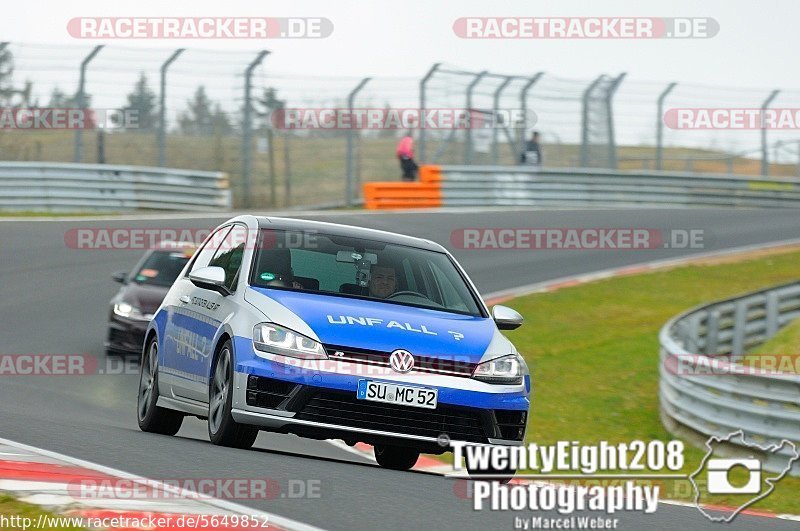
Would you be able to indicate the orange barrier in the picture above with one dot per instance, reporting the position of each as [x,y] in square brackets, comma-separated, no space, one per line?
[427,193]
[430,173]
[386,195]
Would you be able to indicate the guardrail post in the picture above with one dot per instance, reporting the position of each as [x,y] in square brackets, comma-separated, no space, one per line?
[660,125]
[712,333]
[585,120]
[247,129]
[772,314]
[764,156]
[523,104]
[422,106]
[162,108]
[612,143]
[739,329]
[468,141]
[351,134]
[496,110]
[81,101]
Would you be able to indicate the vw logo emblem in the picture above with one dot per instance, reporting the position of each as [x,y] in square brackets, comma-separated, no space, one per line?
[401,361]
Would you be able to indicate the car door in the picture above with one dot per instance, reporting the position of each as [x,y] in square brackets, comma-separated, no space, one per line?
[184,330]
[208,309]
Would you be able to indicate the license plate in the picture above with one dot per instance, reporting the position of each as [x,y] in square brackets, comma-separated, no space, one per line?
[405,395]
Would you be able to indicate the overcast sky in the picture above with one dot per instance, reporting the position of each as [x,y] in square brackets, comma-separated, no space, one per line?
[756,45]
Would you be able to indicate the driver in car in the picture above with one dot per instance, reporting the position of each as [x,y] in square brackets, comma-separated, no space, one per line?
[382,281]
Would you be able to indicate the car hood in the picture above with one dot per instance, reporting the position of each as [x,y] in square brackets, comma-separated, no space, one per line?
[349,322]
[146,298]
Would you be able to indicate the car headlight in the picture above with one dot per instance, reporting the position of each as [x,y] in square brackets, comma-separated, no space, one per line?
[269,337]
[123,309]
[504,370]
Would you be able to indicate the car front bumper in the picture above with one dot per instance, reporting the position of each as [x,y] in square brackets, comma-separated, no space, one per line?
[317,403]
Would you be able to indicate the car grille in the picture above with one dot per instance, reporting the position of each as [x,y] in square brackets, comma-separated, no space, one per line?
[450,367]
[267,392]
[343,409]
[511,423]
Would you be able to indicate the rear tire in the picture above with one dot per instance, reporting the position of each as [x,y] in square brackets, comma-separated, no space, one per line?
[396,457]
[152,418]
[223,430]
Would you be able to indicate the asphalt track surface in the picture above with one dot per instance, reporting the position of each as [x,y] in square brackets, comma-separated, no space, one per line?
[54,299]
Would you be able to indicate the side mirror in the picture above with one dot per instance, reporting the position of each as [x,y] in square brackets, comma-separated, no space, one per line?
[212,278]
[506,318]
[120,276]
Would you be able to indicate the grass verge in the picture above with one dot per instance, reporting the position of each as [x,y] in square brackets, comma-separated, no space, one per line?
[593,352]
[781,352]
[29,515]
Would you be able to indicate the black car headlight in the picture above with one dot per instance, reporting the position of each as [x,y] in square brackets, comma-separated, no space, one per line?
[503,370]
[275,339]
[129,311]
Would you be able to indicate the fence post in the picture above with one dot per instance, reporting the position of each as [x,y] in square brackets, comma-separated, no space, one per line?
[162,109]
[468,143]
[523,104]
[351,133]
[496,110]
[287,169]
[612,142]
[247,128]
[764,156]
[423,101]
[81,101]
[660,126]
[585,120]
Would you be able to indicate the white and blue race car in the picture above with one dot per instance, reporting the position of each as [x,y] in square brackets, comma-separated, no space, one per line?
[332,332]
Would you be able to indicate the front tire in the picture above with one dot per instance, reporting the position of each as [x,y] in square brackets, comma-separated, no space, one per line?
[223,430]
[395,457]
[152,418]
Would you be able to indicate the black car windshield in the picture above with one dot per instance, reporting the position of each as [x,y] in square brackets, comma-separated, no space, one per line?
[344,266]
[161,268]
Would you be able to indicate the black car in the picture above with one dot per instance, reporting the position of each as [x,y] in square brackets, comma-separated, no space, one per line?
[141,294]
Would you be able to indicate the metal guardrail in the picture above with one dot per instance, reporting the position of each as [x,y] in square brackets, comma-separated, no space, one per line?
[704,391]
[64,187]
[533,186]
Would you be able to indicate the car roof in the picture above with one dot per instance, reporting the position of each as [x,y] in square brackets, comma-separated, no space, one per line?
[336,229]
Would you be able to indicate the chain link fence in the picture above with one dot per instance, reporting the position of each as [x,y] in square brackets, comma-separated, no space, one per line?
[215,110]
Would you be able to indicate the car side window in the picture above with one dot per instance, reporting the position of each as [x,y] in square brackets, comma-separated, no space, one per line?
[230,253]
[206,253]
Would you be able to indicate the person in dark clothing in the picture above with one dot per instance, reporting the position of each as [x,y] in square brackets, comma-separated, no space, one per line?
[405,153]
[533,152]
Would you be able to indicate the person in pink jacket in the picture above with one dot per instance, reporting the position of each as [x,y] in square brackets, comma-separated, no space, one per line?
[405,153]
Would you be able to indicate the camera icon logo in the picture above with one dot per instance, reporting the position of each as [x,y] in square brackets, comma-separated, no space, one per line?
[719,480]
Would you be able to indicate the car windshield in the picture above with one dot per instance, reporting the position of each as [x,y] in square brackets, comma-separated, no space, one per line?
[351,267]
[161,268]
